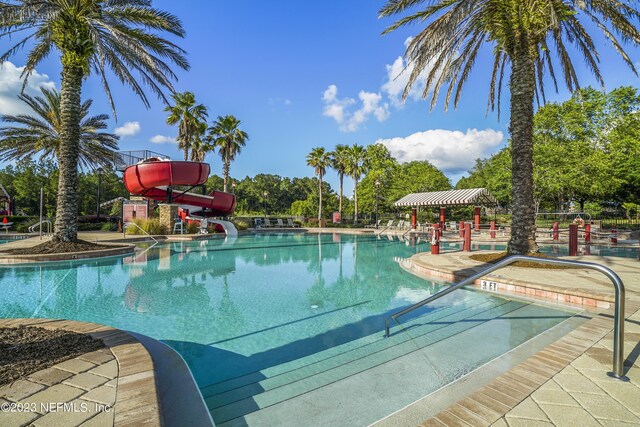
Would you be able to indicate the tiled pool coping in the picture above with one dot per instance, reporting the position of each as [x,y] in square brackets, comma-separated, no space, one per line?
[421,265]
[136,401]
[573,366]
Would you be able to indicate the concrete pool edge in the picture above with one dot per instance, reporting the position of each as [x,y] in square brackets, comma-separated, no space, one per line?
[119,249]
[422,265]
[137,398]
[180,398]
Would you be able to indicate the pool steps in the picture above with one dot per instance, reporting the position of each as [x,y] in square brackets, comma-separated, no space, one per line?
[237,397]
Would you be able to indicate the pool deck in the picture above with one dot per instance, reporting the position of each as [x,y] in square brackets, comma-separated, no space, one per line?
[115,384]
[564,384]
[133,381]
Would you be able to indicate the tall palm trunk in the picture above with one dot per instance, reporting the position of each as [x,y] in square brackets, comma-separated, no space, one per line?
[225,170]
[522,88]
[355,200]
[320,202]
[66,225]
[341,175]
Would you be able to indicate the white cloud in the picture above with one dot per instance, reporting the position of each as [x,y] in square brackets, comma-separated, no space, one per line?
[350,121]
[162,139]
[11,87]
[398,75]
[376,104]
[128,129]
[449,151]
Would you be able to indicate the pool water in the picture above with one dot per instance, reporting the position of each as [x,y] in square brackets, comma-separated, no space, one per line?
[272,325]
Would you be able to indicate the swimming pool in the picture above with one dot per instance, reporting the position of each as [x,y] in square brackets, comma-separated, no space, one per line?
[278,326]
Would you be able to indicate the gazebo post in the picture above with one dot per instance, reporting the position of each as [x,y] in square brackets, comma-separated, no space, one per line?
[476,217]
[443,217]
[414,218]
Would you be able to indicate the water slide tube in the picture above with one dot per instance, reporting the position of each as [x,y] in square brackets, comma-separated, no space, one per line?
[156,179]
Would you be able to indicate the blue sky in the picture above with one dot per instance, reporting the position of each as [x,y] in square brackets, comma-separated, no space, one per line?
[301,74]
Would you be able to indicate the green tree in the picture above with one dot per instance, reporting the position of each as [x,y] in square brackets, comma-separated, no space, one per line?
[24,181]
[381,168]
[319,159]
[339,162]
[522,35]
[191,119]
[229,139]
[91,35]
[26,135]
[356,167]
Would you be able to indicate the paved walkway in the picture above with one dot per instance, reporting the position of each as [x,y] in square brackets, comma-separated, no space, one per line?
[565,384]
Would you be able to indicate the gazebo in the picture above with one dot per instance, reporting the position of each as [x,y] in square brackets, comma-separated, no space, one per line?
[477,197]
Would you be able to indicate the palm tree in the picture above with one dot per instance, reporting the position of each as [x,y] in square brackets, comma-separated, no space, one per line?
[318,159]
[356,166]
[339,159]
[199,146]
[229,139]
[91,37]
[522,34]
[38,135]
[190,118]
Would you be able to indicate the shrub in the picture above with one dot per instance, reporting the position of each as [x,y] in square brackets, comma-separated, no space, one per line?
[192,228]
[241,223]
[89,226]
[151,226]
[108,226]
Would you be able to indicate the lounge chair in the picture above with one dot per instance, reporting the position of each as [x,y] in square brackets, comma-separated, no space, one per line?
[376,225]
[257,222]
[400,225]
[291,224]
[267,223]
[280,223]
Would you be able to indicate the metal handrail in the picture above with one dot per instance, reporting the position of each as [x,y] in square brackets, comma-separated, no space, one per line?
[618,320]
[127,224]
[385,229]
[39,224]
[407,232]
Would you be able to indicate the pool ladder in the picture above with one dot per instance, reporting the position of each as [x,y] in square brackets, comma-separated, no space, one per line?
[618,319]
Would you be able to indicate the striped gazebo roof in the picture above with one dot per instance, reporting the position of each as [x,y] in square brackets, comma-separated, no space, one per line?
[471,196]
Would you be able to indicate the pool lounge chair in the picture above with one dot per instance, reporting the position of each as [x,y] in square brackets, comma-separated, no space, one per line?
[267,223]
[280,223]
[376,225]
[291,224]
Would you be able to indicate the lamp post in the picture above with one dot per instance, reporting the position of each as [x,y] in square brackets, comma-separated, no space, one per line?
[265,194]
[233,187]
[99,172]
[377,194]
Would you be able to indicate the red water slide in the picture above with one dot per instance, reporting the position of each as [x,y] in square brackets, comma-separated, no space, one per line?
[157,179]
